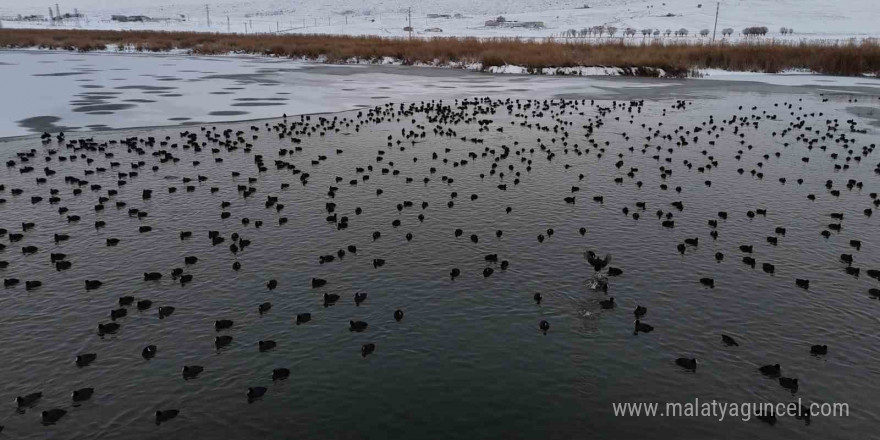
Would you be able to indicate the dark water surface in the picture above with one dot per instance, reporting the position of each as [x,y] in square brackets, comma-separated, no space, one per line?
[468,359]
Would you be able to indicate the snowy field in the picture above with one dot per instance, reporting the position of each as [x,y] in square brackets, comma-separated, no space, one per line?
[62,91]
[830,20]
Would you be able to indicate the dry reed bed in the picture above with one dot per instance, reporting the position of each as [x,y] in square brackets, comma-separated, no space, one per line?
[855,58]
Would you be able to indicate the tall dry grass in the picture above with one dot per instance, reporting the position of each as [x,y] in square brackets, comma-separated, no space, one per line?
[855,58]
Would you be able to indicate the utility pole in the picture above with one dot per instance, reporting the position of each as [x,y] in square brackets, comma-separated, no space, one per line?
[57,11]
[409,20]
[208,14]
[228,26]
[717,7]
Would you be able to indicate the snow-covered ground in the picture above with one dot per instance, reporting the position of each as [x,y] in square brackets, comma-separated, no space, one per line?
[69,91]
[832,20]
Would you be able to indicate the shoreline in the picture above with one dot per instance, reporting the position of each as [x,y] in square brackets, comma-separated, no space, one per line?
[499,55]
[585,71]
[595,71]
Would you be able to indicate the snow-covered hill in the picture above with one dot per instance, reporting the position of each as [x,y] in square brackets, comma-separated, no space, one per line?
[810,19]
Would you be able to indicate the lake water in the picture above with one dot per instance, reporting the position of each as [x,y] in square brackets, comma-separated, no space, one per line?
[468,359]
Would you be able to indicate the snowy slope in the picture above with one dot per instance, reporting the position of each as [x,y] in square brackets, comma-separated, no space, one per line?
[810,19]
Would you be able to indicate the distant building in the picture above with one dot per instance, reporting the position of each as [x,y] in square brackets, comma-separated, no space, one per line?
[439,16]
[19,17]
[502,22]
[497,21]
[434,29]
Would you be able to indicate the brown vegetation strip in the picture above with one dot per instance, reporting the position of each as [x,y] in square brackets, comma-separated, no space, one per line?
[855,58]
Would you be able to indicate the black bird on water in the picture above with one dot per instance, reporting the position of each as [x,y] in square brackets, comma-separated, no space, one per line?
[597,263]
[166,415]
[819,349]
[52,416]
[687,363]
[544,326]
[280,374]
[330,299]
[771,370]
[641,327]
[82,394]
[367,349]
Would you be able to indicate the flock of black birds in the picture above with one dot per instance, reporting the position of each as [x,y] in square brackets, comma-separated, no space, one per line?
[120,161]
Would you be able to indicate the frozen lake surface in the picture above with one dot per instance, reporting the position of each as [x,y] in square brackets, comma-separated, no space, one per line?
[98,91]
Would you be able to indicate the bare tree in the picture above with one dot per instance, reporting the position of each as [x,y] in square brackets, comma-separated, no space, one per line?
[681,32]
[667,32]
[656,32]
[783,30]
[704,32]
[612,30]
[755,30]
[646,32]
[727,32]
